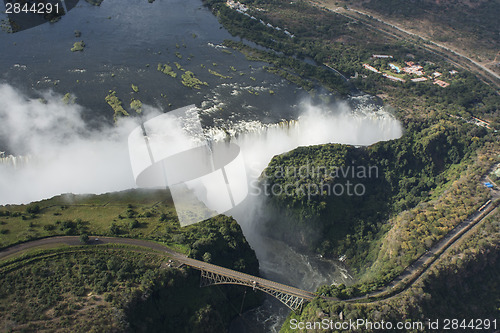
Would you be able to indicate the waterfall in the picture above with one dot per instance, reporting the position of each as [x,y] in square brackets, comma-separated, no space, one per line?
[364,124]
[259,142]
[15,162]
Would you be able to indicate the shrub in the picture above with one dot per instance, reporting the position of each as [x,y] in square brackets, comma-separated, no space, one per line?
[134,224]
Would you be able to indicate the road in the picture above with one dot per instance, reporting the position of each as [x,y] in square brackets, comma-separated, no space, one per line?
[463,61]
[407,277]
[181,258]
[75,240]
[414,271]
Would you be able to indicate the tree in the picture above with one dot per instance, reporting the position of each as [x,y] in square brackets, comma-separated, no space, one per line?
[207,257]
[114,229]
[134,224]
[84,238]
[33,209]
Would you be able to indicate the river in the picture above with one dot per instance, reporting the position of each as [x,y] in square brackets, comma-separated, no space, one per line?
[124,42]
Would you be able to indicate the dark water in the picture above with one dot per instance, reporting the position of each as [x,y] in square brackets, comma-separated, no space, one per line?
[125,40]
[122,39]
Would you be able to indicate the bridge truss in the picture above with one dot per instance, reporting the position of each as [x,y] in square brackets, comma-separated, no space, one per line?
[292,301]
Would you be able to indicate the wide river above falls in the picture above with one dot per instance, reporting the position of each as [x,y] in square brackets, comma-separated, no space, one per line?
[125,40]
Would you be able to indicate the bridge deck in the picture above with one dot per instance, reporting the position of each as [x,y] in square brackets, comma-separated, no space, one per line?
[200,265]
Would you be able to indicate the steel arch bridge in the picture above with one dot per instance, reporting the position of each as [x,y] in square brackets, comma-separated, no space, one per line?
[293,298]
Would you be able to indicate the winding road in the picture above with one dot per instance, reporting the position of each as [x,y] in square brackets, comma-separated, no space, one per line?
[414,271]
[402,282]
[178,257]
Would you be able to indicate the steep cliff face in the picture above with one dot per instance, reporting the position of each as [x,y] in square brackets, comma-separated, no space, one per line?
[341,200]
[462,284]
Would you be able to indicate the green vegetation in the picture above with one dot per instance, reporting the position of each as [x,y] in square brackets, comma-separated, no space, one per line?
[218,74]
[115,214]
[475,23]
[406,187]
[84,238]
[111,288]
[189,80]
[166,69]
[116,105]
[462,284]
[428,181]
[293,70]
[178,55]
[425,184]
[136,105]
[135,88]
[329,38]
[304,83]
[118,287]
[78,46]
[9,26]
[179,67]
[68,99]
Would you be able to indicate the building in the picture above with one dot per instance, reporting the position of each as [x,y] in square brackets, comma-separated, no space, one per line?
[480,122]
[441,83]
[393,78]
[236,5]
[370,68]
[413,69]
[382,56]
[437,74]
[419,79]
